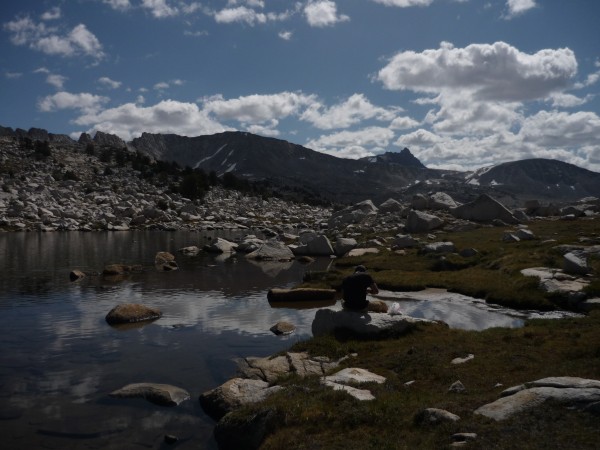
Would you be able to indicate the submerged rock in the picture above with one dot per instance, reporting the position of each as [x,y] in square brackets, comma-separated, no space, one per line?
[160,394]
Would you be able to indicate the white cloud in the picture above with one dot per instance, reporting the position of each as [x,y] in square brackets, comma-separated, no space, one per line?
[562,100]
[269,129]
[109,83]
[240,14]
[159,8]
[572,138]
[404,3]
[161,86]
[58,81]
[52,14]
[197,33]
[403,123]
[353,144]
[13,75]
[352,111]
[79,41]
[256,109]
[518,7]
[496,71]
[553,129]
[323,13]
[120,5]
[168,116]
[84,102]
[285,35]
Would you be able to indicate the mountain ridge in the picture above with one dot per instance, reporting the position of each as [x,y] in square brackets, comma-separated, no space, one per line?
[388,175]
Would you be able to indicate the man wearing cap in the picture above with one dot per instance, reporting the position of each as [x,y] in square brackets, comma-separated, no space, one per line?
[355,288]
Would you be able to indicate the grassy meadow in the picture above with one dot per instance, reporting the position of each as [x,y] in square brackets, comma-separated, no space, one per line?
[417,364]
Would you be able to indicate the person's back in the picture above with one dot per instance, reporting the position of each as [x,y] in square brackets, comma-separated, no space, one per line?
[355,287]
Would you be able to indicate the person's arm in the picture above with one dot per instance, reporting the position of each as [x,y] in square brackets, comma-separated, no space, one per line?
[373,289]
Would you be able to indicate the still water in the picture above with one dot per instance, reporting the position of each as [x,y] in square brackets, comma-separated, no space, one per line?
[59,358]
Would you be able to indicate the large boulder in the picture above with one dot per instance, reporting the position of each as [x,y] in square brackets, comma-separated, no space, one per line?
[484,209]
[344,245]
[576,263]
[420,222]
[328,321]
[570,391]
[233,394]
[160,394]
[390,206]
[272,250]
[441,200]
[319,246]
[419,202]
[353,214]
[402,241]
[221,245]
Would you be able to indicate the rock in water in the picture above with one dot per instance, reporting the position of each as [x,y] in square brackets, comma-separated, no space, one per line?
[159,394]
[132,312]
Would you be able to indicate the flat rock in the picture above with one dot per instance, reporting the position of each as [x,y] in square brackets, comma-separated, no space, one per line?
[160,394]
[570,391]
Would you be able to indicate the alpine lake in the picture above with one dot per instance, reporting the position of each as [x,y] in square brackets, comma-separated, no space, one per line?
[60,359]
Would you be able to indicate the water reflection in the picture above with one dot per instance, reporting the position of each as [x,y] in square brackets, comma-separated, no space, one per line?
[60,358]
[458,311]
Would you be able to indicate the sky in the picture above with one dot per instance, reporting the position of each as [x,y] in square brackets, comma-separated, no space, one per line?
[463,84]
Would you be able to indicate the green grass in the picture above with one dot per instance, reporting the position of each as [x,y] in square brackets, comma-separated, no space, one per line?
[311,416]
[314,417]
[493,274]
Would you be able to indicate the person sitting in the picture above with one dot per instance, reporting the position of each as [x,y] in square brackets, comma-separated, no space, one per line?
[355,288]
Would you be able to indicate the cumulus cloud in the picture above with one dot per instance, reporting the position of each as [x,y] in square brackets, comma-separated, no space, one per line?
[79,41]
[84,102]
[353,144]
[350,112]
[570,137]
[323,13]
[130,120]
[256,109]
[496,71]
[518,7]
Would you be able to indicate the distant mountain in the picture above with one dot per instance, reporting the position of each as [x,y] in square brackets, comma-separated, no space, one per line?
[539,178]
[403,158]
[288,167]
[285,164]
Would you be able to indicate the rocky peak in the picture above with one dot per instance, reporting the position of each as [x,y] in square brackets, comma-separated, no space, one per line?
[109,140]
[402,158]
